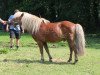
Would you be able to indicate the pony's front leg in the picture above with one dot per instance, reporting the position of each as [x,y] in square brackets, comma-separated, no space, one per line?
[40,44]
[47,50]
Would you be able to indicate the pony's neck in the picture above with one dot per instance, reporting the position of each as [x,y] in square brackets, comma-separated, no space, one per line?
[30,22]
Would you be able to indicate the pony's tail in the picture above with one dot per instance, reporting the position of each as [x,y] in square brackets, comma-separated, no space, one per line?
[79,39]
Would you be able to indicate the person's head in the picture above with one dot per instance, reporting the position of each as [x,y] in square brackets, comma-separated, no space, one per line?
[16,11]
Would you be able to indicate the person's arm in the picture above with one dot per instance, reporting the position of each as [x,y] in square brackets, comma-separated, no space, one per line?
[2,21]
[7,27]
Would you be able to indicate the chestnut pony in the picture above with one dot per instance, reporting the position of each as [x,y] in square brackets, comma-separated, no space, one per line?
[44,31]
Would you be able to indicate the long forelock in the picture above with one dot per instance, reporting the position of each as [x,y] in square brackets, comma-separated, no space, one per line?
[29,22]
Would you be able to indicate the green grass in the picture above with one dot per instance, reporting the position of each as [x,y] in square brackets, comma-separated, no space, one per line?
[26,60]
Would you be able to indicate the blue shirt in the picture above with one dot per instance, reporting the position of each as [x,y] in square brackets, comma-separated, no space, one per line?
[9,20]
[11,17]
[17,27]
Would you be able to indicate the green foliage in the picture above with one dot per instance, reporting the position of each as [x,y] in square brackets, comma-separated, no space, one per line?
[84,12]
[93,41]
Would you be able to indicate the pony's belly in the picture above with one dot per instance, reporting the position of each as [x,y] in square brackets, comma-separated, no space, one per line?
[54,36]
[51,38]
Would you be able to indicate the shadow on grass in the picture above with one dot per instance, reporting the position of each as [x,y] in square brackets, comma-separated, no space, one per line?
[26,61]
[54,62]
[18,61]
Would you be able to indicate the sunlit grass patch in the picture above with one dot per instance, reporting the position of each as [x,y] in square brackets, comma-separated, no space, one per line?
[26,60]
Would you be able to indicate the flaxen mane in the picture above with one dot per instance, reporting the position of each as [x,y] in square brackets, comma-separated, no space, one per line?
[30,22]
[45,21]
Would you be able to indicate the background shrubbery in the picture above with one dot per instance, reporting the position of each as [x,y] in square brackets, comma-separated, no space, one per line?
[85,12]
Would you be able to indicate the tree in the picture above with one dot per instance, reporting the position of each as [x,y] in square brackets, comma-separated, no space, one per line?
[85,12]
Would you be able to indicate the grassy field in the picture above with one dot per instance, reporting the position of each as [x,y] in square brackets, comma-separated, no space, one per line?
[25,61]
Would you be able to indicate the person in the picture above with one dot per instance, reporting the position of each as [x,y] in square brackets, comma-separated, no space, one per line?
[2,21]
[15,31]
[3,24]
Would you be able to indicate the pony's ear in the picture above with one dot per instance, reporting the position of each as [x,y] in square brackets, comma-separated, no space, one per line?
[22,15]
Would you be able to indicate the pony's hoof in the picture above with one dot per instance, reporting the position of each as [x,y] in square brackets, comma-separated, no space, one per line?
[50,60]
[69,60]
[75,61]
[42,61]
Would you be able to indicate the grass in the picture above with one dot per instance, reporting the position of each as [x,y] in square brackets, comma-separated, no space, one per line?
[25,61]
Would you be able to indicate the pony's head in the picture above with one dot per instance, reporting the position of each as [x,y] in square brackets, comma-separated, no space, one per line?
[18,19]
[29,22]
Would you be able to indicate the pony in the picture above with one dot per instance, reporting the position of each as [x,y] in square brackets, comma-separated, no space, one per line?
[44,31]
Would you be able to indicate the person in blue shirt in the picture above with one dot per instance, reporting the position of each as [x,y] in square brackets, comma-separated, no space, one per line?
[15,32]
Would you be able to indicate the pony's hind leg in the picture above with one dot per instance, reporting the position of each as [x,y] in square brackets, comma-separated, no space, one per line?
[40,44]
[76,57]
[71,51]
[72,47]
[47,50]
